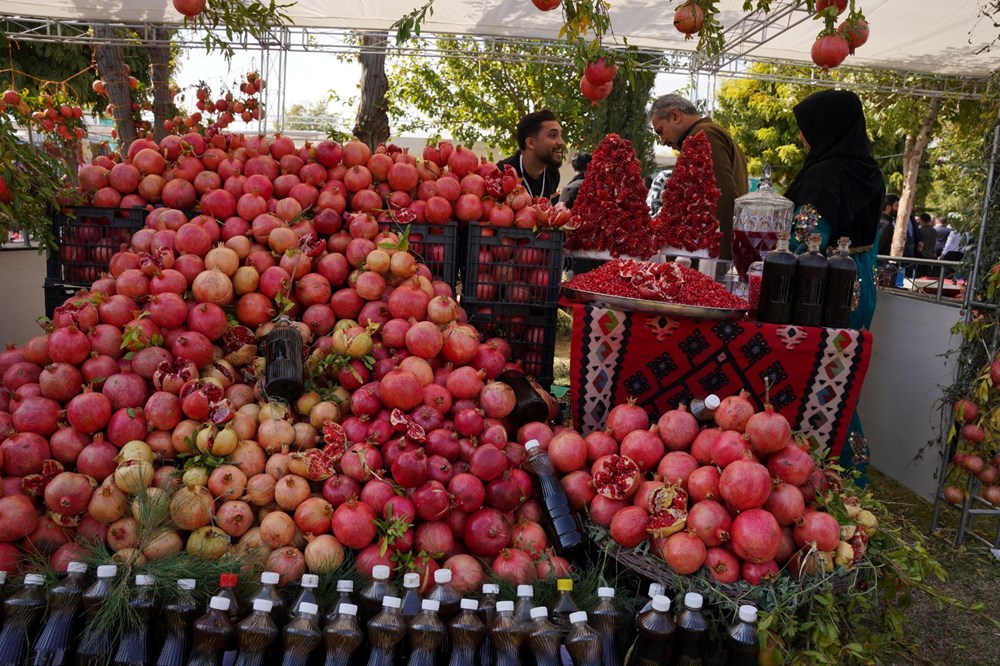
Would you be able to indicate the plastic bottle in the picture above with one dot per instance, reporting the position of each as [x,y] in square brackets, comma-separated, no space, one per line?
[656,633]
[345,588]
[583,643]
[655,590]
[810,285]
[528,405]
[385,631]
[256,633]
[283,369]
[179,615]
[465,632]
[606,621]
[95,648]
[704,410]
[777,284]
[269,591]
[445,594]
[563,521]
[302,635]
[342,635]
[741,639]
[841,276]
[565,606]
[23,611]
[134,648]
[487,612]
[692,630]
[307,594]
[543,638]
[522,611]
[55,644]
[213,634]
[374,592]
[506,634]
[227,590]
[426,634]
[3,599]
[411,597]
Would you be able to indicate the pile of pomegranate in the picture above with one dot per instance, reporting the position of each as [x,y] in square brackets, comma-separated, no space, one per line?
[976,456]
[146,387]
[742,499]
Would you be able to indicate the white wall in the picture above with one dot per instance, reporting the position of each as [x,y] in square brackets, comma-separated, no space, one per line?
[22,276]
[904,381]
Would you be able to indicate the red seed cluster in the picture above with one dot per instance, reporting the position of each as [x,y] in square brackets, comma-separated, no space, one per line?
[687,218]
[656,282]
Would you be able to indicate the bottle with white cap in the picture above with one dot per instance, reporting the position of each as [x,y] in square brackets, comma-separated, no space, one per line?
[606,621]
[656,631]
[487,612]
[3,579]
[551,495]
[269,581]
[54,644]
[522,611]
[214,633]
[692,630]
[543,638]
[741,639]
[308,585]
[134,648]
[179,613]
[95,647]
[466,633]
[256,634]
[583,643]
[507,635]
[345,592]
[426,634]
[374,592]
[655,589]
[385,632]
[302,635]
[704,410]
[411,596]
[342,635]
[445,594]
[22,613]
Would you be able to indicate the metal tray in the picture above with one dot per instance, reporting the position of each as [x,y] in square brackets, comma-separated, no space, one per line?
[653,307]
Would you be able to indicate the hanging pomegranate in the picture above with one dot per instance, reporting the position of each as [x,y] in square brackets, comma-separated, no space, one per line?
[592,92]
[546,5]
[829,50]
[688,18]
[841,5]
[599,71]
[189,8]
[855,31]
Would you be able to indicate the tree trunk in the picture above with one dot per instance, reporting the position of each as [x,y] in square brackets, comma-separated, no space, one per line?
[159,75]
[112,70]
[913,152]
[372,123]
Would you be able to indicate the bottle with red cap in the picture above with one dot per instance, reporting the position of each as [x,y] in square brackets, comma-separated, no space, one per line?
[227,590]
[302,635]
[55,643]
[23,611]
[255,634]
[342,635]
[213,634]
[179,614]
[134,648]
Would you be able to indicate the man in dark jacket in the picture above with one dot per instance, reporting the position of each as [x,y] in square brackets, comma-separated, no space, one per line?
[580,162]
[674,119]
[540,154]
[887,223]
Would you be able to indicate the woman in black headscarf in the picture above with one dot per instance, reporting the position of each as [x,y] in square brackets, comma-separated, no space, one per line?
[838,192]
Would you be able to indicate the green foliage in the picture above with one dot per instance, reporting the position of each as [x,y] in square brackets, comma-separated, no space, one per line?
[226,22]
[482,94]
[34,178]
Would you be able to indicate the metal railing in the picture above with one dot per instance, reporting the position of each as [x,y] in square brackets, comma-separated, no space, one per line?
[925,279]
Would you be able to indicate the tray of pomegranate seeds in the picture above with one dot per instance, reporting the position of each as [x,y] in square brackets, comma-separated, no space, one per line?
[668,289]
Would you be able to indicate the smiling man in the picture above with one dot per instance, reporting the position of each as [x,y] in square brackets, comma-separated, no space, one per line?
[539,137]
[674,119]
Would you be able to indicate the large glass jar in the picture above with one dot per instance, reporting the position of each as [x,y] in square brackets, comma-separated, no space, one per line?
[758,217]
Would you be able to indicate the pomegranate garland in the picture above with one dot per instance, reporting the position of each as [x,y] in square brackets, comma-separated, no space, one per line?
[743,499]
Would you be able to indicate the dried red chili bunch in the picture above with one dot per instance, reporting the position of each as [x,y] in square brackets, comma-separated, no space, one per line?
[687,218]
[611,204]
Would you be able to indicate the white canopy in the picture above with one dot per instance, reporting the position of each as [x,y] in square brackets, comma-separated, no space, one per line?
[925,36]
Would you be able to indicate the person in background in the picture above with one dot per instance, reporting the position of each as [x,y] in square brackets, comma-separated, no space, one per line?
[839,191]
[674,119]
[579,163]
[886,223]
[655,197]
[941,229]
[540,153]
[928,239]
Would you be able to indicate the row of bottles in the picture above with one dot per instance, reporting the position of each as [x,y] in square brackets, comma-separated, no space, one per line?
[807,289]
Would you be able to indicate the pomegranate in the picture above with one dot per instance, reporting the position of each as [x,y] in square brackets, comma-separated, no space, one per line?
[722,565]
[791,464]
[786,503]
[729,447]
[703,483]
[819,528]
[734,412]
[289,563]
[688,18]
[678,428]
[628,527]
[616,477]
[18,518]
[710,522]
[514,566]
[755,536]
[642,446]
[745,484]
[829,50]
[676,467]
[68,494]
[467,573]
[626,418]
[684,552]
[486,533]
[353,524]
[757,573]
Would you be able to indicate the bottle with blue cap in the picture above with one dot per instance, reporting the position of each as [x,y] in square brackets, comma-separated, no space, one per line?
[583,643]
[95,647]
[385,632]
[426,634]
[214,633]
[179,613]
[692,631]
[342,635]
[741,639]
[302,635]
[256,634]
[55,644]
[544,638]
[134,648]
[466,633]
[487,612]
[656,634]
[22,613]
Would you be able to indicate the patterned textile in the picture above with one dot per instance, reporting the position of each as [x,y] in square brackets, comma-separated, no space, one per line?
[815,374]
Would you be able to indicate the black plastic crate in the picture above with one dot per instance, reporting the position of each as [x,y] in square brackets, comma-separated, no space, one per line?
[513,266]
[530,330]
[87,238]
[56,294]
[433,245]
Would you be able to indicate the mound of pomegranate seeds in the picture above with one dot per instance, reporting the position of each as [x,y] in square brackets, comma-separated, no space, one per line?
[669,282]
[687,218]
